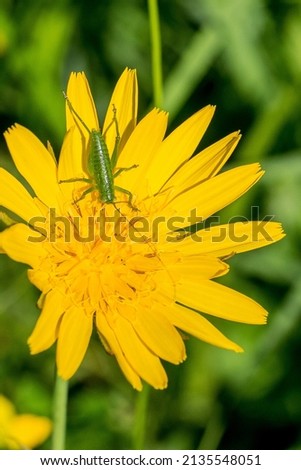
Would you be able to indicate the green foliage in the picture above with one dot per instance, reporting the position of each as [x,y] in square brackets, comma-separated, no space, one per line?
[243,56]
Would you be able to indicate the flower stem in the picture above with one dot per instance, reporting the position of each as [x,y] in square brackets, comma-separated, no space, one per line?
[155,36]
[140,418]
[59,414]
[156,52]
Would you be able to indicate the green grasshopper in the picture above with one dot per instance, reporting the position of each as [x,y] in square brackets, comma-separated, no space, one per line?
[100,166]
[101,171]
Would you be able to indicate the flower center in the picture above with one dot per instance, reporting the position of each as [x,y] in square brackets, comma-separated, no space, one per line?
[100,269]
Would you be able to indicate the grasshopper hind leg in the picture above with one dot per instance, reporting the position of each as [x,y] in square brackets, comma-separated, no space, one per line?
[130,197]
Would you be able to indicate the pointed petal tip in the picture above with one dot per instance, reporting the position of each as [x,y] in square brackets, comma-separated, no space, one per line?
[162,386]
[160,111]
[11,129]
[79,73]
[138,387]
[32,349]
[210,108]
[261,319]
[30,346]
[280,229]
[276,231]
[184,357]
[129,70]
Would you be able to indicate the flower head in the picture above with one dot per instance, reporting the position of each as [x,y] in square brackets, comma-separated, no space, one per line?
[21,431]
[133,267]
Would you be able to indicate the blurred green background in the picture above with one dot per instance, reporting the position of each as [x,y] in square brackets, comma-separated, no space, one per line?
[244,56]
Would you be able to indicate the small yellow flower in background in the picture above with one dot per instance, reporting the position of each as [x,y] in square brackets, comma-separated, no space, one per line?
[21,431]
[131,269]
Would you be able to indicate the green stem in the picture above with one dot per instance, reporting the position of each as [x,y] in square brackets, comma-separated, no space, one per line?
[155,35]
[140,418]
[59,414]
[156,52]
[143,397]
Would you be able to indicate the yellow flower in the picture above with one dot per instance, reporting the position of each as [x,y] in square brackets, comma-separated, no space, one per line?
[21,431]
[130,268]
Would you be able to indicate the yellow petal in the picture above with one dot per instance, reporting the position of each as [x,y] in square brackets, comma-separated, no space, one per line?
[229,239]
[178,148]
[70,164]
[220,301]
[106,332]
[141,359]
[7,411]
[197,326]
[73,339]
[46,329]
[15,241]
[28,431]
[80,97]
[39,278]
[159,335]
[216,193]
[205,164]
[139,150]
[14,197]
[34,162]
[6,219]
[125,101]
[196,267]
